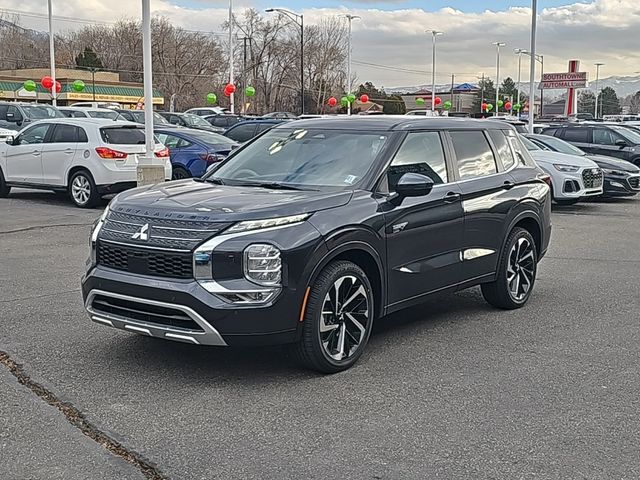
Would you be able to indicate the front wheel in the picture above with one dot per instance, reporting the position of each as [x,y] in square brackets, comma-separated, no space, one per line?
[338,319]
[517,268]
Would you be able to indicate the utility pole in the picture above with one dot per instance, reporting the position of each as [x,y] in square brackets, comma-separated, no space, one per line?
[598,65]
[519,52]
[482,93]
[453,79]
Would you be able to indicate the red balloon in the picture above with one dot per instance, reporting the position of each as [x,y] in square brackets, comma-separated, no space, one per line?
[47,82]
[438,100]
[231,87]
[507,106]
[58,87]
[364,98]
[332,102]
[484,106]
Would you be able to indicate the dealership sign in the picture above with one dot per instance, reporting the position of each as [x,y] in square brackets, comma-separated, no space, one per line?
[564,80]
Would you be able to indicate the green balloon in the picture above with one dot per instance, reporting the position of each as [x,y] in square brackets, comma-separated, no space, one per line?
[351,98]
[212,98]
[446,105]
[30,86]
[344,101]
[517,107]
[250,91]
[489,107]
[78,85]
[500,103]
[419,101]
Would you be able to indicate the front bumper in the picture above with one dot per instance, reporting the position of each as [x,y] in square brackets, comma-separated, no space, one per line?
[571,186]
[619,186]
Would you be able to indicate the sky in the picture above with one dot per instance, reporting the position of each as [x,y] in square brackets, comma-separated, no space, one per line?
[390,46]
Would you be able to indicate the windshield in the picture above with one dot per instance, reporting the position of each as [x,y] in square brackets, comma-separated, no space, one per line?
[561,146]
[138,116]
[322,158]
[195,120]
[628,134]
[529,144]
[211,138]
[41,112]
[98,114]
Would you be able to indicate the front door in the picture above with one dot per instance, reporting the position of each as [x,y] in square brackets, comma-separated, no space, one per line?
[58,153]
[605,142]
[24,157]
[423,234]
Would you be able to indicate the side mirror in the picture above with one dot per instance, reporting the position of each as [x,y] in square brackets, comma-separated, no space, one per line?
[414,185]
[10,140]
[621,143]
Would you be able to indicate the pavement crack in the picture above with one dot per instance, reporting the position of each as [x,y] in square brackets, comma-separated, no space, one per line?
[76,418]
[40,227]
[44,295]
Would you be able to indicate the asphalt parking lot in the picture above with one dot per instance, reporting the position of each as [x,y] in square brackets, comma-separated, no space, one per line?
[453,389]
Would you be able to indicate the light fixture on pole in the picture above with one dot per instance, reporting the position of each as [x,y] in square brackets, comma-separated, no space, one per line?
[434,34]
[598,65]
[349,18]
[519,52]
[498,45]
[297,18]
[532,67]
[52,55]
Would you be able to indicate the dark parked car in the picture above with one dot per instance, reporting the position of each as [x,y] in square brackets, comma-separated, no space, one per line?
[14,116]
[193,151]
[245,131]
[317,228]
[223,121]
[190,120]
[621,178]
[137,116]
[281,115]
[610,140]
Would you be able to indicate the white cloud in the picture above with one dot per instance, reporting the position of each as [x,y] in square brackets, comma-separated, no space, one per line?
[601,30]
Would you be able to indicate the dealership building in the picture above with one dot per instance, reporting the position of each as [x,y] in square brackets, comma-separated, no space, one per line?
[99,87]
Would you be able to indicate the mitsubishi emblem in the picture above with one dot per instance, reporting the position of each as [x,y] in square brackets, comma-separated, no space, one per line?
[142,234]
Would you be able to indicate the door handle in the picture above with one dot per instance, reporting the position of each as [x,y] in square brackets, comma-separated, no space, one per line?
[69,150]
[35,152]
[451,197]
[508,185]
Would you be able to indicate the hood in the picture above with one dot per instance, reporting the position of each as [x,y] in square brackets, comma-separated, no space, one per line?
[224,203]
[612,163]
[547,156]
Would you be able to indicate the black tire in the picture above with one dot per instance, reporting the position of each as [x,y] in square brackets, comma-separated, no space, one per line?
[5,190]
[89,197]
[180,173]
[310,350]
[61,193]
[566,203]
[499,293]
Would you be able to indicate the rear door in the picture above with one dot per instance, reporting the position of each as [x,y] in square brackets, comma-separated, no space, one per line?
[58,153]
[486,199]
[24,159]
[580,137]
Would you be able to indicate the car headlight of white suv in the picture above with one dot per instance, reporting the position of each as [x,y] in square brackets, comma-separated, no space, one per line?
[566,168]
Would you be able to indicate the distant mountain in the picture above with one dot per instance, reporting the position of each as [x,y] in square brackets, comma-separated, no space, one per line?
[417,88]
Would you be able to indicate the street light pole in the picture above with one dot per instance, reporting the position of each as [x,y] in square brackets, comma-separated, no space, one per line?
[498,45]
[532,68]
[232,96]
[434,34]
[598,65]
[52,55]
[519,51]
[299,20]
[349,18]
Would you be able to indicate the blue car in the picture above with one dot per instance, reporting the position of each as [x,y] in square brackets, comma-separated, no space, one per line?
[245,131]
[193,151]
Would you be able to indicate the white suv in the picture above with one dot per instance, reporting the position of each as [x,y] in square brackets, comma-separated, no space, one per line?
[86,158]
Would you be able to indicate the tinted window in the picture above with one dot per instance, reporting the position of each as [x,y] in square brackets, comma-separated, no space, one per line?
[123,136]
[602,136]
[242,133]
[211,138]
[550,131]
[263,126]
[38,112]
[82,135]
[171,141]
[33,135]
[576,135]
[3,112]
[64,134]
[504,152]
[219,121]
[422,153]
[474,155]
[112,115]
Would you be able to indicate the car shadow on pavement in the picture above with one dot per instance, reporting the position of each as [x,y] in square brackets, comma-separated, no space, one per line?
[47,197]
[179,363]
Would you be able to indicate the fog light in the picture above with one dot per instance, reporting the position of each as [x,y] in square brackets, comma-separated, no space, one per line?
[616,184]
[262,264]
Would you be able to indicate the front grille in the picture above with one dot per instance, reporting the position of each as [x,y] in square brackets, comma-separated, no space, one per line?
[592,178]
[145,262]
[634,182]
[143,312]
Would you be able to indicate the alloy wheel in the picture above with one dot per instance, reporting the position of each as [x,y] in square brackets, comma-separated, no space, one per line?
[520,269]
[81,189]
[344,317]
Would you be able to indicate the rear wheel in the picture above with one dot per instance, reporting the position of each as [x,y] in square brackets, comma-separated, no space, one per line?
[82,190]
[338,319]
[180,173]
[4,188]
[516,273]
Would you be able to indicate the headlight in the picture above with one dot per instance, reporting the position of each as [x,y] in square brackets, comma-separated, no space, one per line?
[566,168]
[262,264]
[614,172]
[94,235]
[267,223]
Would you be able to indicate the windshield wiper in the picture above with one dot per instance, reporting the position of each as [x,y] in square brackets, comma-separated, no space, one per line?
[215,180]
[273,186]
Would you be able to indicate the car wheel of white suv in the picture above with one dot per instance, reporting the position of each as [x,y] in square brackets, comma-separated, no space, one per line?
[82,190]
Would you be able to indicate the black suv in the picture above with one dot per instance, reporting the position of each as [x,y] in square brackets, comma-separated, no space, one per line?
[610,140]
[314,229]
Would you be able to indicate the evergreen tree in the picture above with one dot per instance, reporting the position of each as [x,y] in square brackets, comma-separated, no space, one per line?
[609,103]
[489,94]
[586,102]
[88,59]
